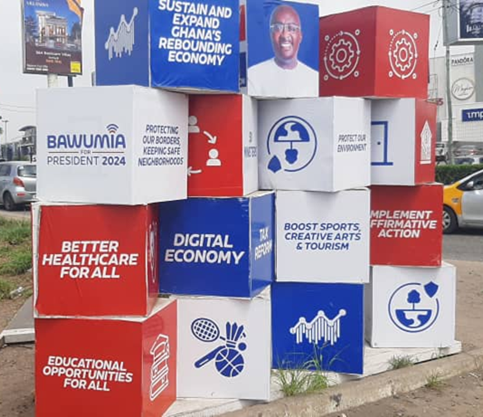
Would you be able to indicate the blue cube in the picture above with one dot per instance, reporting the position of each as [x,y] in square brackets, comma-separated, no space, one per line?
[217,246]
[318,327]
[162,43]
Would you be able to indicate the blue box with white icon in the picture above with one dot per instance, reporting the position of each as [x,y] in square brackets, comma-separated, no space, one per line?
[318,327]
[170,44]
[217,246]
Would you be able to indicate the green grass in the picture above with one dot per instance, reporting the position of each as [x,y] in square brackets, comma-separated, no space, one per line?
[15,232]
[15,252]
[398,362]
[434,381]
[304,377]
[5,250]
[6,288]
[17,263]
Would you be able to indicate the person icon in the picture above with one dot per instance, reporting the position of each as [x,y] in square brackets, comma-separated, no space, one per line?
[213,161]
[284,75]
[193,125]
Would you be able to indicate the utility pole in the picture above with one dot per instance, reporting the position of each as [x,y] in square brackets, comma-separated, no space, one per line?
[449,102]
[4,134]
[6,131]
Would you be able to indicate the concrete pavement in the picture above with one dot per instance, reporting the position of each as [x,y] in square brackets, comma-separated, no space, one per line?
[15,215]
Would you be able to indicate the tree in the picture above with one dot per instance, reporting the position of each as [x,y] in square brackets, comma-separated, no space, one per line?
[414,298]
[75,32]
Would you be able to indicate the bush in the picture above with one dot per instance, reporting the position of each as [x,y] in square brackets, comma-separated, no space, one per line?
[449,174]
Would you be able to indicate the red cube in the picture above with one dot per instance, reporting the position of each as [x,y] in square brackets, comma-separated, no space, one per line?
[374,52]
[222,146]
[95,260]
[406,225]
[106,367]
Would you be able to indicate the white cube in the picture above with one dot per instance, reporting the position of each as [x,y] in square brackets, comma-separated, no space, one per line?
[317,144]
[411,307]
[403,136]
[111,145]
[323,237]
[224,348]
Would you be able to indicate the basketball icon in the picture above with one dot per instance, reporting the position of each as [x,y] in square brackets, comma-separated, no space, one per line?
[229,362]
[228,357]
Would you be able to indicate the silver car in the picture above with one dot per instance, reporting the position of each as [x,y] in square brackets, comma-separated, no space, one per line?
[18,184]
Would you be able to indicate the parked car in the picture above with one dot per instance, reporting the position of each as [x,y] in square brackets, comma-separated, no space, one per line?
[18,184]
[463,203]
[469,160]
[467,150]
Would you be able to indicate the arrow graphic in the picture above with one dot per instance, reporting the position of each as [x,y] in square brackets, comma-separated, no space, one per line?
[192,171]
[211,139]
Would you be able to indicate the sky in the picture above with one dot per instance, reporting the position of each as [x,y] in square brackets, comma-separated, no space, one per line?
[17,90]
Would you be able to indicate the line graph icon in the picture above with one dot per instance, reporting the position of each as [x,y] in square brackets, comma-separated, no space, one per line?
[121,41]
[228,357]
[320,328]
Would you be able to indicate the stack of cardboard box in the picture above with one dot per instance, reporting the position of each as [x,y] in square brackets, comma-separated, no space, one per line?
[245,204]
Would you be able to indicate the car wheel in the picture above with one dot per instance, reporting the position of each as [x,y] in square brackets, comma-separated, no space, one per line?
[8,202]
[450,223]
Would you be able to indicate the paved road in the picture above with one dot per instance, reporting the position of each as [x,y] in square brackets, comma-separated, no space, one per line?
[15,215]
[465,245]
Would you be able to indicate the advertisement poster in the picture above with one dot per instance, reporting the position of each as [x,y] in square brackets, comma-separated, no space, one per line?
[318,326]
[52,33]
[122,47]
[283,42]
[195,44]
[471,19]
[406,225]
[217,246]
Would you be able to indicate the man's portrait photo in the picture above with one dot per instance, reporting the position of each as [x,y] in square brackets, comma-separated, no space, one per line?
[289,37]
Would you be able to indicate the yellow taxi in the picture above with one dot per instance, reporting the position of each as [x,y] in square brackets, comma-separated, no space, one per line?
[463,203]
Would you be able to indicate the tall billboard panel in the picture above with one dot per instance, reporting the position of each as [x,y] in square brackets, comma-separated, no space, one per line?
[52,37]
[465,21]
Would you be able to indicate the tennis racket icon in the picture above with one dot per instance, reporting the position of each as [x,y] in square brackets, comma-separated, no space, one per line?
[206,330]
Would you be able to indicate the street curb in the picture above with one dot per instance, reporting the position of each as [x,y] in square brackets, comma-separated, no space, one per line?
[355,393]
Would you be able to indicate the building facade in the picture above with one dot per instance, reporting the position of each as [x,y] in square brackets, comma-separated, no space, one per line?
[466,89]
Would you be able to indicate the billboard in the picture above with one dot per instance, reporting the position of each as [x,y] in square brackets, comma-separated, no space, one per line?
[52,37]
[465,20]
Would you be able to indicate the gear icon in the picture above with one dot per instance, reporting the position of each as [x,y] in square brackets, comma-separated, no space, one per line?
[341,55]
[403,55]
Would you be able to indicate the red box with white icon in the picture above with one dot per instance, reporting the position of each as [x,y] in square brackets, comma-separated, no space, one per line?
[406,225]
[106,367]
[374,52]
[94,260]
[222,146]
